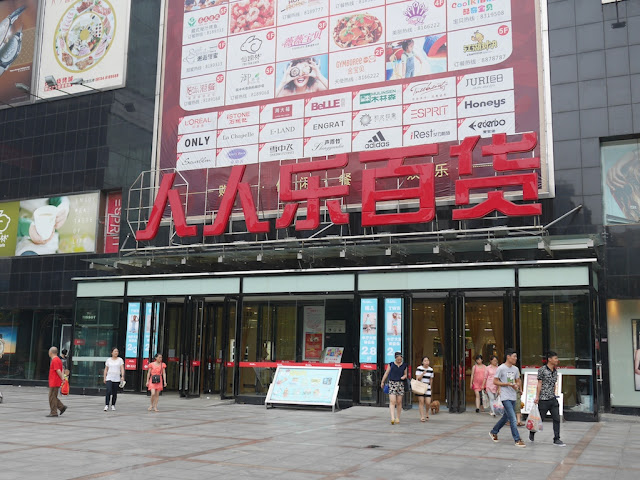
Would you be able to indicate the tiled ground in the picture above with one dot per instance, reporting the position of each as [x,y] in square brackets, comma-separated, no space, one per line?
[204,439]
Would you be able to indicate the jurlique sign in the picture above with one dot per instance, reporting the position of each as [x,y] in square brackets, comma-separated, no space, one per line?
[411,165]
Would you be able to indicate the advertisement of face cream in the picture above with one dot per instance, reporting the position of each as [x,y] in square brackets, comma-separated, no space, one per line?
[46,226]
[84,44]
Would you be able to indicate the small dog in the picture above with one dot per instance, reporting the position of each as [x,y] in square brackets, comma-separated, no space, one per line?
[435,407]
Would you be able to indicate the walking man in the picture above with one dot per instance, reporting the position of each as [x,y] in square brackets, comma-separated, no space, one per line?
[55,380]
[508,379]
[546,396]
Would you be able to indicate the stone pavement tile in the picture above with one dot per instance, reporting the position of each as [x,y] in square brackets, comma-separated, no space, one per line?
[589,473]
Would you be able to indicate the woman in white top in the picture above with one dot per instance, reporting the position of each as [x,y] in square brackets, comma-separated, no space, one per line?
[424,374]
[113,375]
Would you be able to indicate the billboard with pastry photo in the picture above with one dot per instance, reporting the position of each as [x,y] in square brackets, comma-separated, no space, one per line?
[84,46]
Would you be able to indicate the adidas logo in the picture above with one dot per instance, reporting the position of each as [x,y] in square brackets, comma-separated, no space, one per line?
[377,142]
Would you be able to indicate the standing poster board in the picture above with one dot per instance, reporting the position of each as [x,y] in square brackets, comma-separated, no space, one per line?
[313,318]
[305,386]
[529,387]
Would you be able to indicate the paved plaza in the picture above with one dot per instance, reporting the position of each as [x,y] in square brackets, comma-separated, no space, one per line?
[208,438]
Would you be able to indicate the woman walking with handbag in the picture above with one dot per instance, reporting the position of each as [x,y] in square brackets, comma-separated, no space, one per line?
[397,373]
[424,374]
[156,380]
[489,387]
[113,375]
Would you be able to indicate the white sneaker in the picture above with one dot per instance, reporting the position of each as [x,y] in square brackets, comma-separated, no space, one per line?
[113,408]
[106,408]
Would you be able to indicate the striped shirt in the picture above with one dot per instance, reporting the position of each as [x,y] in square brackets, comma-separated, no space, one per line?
[427,375]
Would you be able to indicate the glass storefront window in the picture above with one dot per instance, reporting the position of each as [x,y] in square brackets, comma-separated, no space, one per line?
[559,321]
[96,332]
[26,338]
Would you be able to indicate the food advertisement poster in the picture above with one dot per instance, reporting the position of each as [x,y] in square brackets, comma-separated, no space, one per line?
[133,330]
[305,385]
[393,328]
[262,83]
[313,332]
[48,226]
[621,182]
[18,39]
[368,330]
[83,41]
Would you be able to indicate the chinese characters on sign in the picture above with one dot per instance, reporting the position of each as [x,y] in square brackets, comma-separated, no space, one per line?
[369,330]
[392,328]
[400,164]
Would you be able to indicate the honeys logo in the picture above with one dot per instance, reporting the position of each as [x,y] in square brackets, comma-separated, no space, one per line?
[481,43]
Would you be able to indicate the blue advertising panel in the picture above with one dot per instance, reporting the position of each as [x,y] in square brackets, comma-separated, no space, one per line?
[368,330]
[148,320]
[393,328]
[133,328]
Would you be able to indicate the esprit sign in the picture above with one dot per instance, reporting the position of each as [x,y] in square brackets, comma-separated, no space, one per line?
[520,174]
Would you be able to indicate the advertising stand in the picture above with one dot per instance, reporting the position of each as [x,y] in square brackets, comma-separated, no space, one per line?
[313,386]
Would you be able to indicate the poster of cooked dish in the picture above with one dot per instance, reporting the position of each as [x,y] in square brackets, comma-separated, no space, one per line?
[18,34]
[312,78]
[84,46]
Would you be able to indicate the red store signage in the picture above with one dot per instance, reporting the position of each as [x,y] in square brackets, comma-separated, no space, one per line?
[510,175]
[112,222]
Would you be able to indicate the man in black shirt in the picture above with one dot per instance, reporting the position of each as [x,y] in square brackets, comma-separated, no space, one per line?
[546,396]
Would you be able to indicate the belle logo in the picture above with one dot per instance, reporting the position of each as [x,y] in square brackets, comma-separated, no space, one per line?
[5,221]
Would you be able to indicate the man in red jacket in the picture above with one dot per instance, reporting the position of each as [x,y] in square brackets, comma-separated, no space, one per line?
[56,376]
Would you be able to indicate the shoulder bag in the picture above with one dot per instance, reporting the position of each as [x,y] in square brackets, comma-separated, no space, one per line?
[418,387]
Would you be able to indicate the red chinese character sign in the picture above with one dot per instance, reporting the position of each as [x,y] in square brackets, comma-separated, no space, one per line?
[322,189]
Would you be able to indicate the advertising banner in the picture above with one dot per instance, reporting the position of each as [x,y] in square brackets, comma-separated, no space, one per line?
[83,41]
[133,330]
[313,332]
[368,330]
[621,182]
[393,328]
[112,222]
[635,325]
[18,39]
[261,83]
[47,226]
[305,385]
[150,318]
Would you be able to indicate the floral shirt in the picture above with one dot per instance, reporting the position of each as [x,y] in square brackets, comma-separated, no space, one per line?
[549,378]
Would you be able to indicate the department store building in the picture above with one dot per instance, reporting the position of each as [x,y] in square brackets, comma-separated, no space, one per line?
[237,196]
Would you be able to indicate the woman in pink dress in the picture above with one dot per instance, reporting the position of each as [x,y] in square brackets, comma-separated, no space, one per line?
[477,380]
[156,380]
[491,389]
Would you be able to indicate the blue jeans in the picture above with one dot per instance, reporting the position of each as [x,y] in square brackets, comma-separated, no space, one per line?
[509,415]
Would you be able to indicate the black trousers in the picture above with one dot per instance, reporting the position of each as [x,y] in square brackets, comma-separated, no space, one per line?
[553,407]
[112,391]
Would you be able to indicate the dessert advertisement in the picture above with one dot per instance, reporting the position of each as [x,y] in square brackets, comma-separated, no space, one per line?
[262,83]
[18,34]
[84,46]
[48,226]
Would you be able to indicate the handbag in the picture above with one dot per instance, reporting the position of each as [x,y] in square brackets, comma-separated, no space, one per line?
[385,389]
[64,388]
[418,387]
[155,378]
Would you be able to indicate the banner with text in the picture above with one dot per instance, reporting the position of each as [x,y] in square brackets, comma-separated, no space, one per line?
[393,328]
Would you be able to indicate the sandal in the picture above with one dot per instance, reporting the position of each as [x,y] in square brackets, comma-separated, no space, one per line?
[422,419]
[521,424]
[427,418]
[150,408]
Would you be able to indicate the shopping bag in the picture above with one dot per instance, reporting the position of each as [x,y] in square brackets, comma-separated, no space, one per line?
[64,388]
[498,407]
[419,388]
[485,399]
[385,389]
[534,421]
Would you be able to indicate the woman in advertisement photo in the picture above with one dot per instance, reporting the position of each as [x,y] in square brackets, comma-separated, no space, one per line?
[156,380]
[302,75]
[636,356]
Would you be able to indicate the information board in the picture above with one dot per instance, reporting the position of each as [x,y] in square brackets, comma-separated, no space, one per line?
[305,386]
[369,330]
[133,330]
[392,328]
[529,387]
[257,83]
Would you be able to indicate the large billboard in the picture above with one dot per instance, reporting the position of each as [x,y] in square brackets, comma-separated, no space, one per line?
[621,182]
[47,226]
[264,83]
[83,41]
[18,40]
